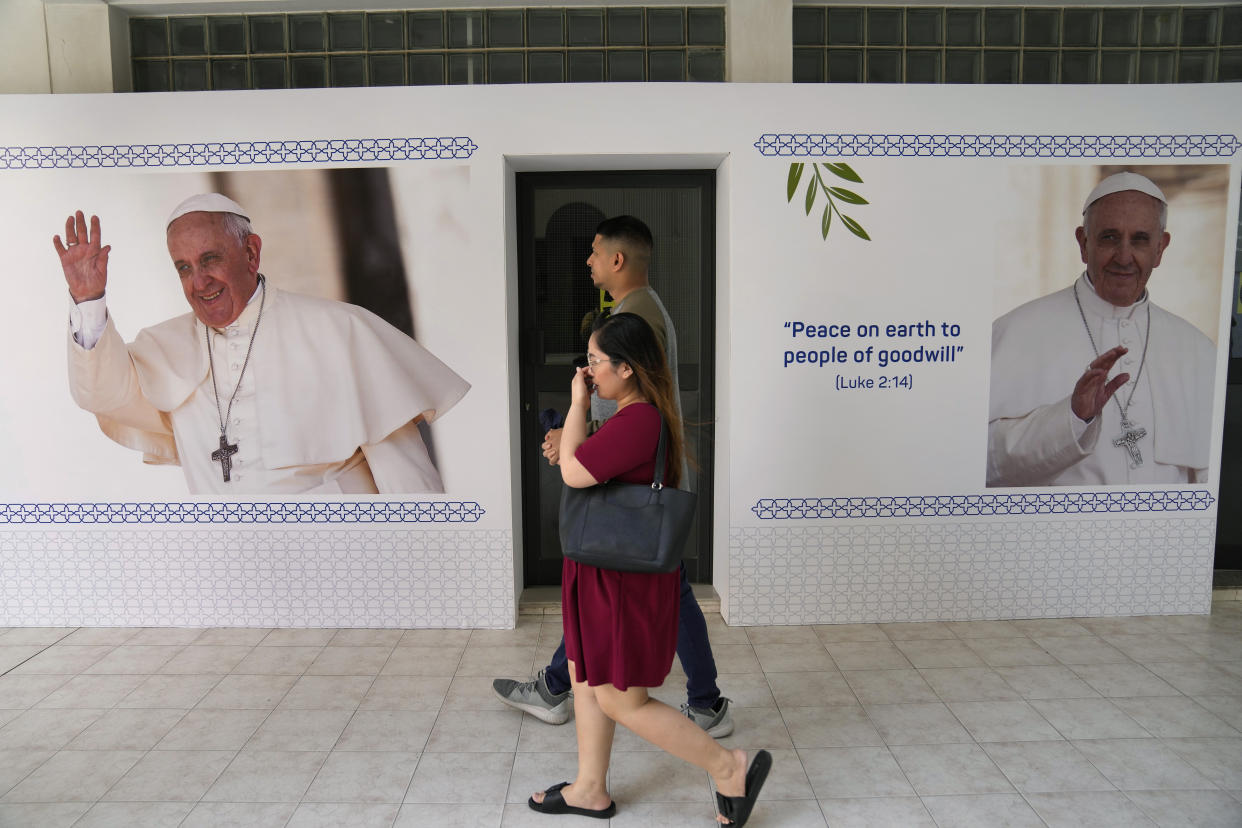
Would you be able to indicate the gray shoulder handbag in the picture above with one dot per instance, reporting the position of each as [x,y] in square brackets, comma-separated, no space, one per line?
[628,527]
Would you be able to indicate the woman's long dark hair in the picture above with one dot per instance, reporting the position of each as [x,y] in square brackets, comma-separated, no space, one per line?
[626,337]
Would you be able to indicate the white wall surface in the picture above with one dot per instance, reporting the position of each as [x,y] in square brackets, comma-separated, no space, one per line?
[80,45]
[23,48]
[758,39]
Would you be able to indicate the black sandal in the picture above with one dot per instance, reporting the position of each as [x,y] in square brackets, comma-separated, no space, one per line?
[554,803]
[737,809]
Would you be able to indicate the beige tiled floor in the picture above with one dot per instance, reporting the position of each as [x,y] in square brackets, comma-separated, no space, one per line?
[1082,722]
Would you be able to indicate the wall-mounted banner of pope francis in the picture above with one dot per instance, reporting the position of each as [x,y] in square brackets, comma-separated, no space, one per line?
[257,390]
[1096,383]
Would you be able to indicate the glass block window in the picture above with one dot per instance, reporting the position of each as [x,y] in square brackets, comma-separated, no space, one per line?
[396,48]
[1010,43]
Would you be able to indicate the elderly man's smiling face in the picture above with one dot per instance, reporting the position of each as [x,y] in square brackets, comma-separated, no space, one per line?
[1121,242]
[218,270]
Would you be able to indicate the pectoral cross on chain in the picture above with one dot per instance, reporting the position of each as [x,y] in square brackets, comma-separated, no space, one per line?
[224,455]
[1128,440]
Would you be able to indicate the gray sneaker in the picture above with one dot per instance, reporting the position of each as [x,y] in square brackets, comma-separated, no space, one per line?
[718,722]
[535,698]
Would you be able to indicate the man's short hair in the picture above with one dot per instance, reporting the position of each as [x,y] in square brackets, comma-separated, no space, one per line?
[630,234]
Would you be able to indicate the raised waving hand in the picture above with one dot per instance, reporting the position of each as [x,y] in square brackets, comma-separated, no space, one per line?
[83,258]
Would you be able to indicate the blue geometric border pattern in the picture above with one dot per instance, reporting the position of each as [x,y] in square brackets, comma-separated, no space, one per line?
[1001,146]
[987,505]
[340,150]
[152,513]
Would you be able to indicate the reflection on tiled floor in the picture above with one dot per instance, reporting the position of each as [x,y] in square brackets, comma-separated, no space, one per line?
[1083,722]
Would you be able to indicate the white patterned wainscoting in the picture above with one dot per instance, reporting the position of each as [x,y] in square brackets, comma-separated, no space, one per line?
[257,576]
[861,572]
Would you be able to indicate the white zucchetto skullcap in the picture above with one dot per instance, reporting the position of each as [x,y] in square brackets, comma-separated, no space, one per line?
[207,203]
[1120,182]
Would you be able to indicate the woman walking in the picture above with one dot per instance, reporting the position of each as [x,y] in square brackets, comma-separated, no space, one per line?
[621,627]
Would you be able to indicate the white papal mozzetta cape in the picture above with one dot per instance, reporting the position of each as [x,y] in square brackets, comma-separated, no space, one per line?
[325,406]
[1039,351]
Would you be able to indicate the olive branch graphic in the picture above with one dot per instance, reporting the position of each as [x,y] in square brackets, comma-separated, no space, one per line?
[833,194]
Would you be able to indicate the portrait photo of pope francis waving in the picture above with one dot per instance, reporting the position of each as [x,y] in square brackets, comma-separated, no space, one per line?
[257,390]
[1096,383]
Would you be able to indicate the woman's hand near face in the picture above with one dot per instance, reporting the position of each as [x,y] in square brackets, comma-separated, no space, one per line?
[574,432]
[580,389]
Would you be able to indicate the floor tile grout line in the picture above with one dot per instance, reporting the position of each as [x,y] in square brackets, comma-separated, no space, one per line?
[32,656]
[409,784]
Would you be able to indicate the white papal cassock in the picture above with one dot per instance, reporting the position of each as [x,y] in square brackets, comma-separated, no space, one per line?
[1041,349]
[327,404]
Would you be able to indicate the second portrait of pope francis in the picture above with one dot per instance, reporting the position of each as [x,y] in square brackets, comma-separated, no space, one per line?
[1096,384]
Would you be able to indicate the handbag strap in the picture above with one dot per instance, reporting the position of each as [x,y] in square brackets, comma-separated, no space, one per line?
[657,482]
